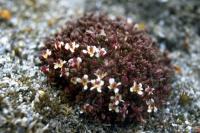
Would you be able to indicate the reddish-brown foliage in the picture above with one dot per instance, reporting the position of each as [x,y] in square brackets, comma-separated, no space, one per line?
[110,68]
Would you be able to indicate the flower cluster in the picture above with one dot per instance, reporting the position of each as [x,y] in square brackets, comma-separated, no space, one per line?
[115,101]
[93,50]
[71,46]
[111,69]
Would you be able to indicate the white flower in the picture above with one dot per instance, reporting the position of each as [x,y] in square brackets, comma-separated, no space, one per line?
[151,106]
[137,88]
[84,81]
[65,72]
[100,74]
[97,84]
[75,62]
[149,90]
[91,50]
[46,54]
[114,85]
[116,99]
[71,46]
[129,20]
[114,103]
[136,26]
[113,107]
[59,64]
[58,45]
[74,80]
[100,52]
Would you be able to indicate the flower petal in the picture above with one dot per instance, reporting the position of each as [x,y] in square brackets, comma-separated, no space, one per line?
[111,80]
[116,90]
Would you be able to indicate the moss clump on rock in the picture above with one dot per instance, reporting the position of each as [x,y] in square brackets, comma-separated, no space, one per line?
[109,67]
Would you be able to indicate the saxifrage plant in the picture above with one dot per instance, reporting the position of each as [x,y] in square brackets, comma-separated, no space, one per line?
[108,67]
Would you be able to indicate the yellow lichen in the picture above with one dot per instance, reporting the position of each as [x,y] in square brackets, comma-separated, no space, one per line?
[5,14]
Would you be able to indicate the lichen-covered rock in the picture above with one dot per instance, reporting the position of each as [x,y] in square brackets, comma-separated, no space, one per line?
[109,67]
